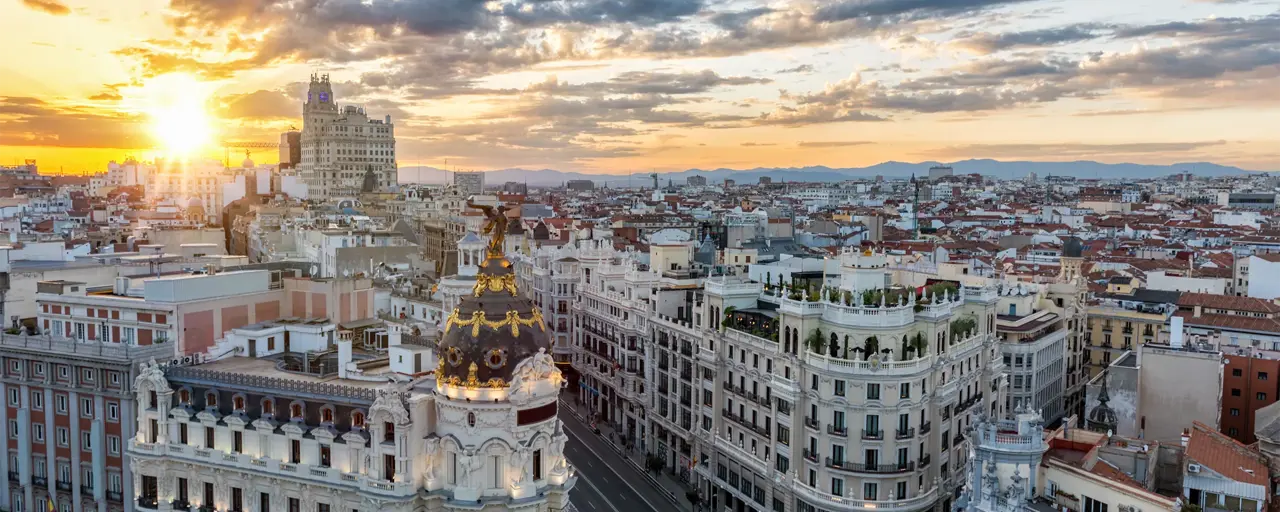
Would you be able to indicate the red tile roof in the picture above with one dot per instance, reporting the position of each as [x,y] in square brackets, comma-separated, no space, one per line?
[1226,456]
[1228,302]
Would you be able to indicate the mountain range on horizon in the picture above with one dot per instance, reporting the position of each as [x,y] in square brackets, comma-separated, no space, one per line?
[890,170]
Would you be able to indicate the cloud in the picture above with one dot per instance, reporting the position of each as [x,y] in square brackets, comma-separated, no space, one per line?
[641,12]
[803,68]
[1067,150]
[852,9]
[833,143]
[757,144]
[33,122]
[261,104]
[47,6]
[987,43]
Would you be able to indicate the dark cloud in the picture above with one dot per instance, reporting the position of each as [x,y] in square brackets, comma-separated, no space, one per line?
[47,6]
[641,12]
[33,122]
[986,43]
[853,9]
[833,143]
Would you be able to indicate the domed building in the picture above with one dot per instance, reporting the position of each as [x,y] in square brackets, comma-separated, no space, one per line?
[466,424]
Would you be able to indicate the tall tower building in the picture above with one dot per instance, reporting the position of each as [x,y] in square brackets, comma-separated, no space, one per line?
[340,145]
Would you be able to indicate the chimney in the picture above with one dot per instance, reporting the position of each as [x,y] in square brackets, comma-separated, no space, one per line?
[344,353]
[1175,331]
[121,287]
[1186,437]
[393,334]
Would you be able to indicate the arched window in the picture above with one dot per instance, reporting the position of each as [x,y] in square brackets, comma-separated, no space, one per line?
[326,415]
[211,399]
[295,410]
[268,406]
[184,397]
[357,419]
[238,403]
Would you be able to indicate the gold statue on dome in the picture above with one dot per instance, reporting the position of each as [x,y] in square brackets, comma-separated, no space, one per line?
[495,226]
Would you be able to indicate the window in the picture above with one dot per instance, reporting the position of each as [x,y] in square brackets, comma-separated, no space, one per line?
[357,419]
[60,403]
[264,502]
[839,388]
[182,433]
[1235,391]
[237,403]
[295,451]
[869,491]
[63,436]
[37,431]
[326,415]
[837,486]
[873,391]
[1262,375]
[15,397]
[325,460]
[813,384]
[86,407]
[86,375]
[1236,372]
[209,438]
[1235,412]
[64,372]
[210,400]
[237,499]
[113,411]
[782,464]
[905,390]
[13,431]
[1092,505]
[237,441]
[295,411]
[208,492]
[268,407]
[537,464]
[37,400]
[1262,396]
[113,445]
[900,492]
[86,441]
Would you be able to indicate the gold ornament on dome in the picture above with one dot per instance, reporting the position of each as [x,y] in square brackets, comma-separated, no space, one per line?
[472,382]
[478,319]
[495,284]
[495,226]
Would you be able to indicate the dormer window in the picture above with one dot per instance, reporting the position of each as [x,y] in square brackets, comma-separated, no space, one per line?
[268,407]
[295,411]
[184,397]
[357,419]
[238,403]
[326,415]
[211,399]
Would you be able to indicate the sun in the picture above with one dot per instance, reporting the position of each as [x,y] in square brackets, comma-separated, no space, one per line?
[176,104]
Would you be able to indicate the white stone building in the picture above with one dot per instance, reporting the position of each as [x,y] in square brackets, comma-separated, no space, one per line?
[341,145]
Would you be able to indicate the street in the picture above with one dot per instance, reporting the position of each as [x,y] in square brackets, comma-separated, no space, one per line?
[606,482]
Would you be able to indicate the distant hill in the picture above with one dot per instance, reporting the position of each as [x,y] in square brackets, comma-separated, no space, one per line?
[890,170]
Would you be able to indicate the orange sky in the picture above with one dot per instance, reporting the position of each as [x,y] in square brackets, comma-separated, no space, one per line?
[613,87]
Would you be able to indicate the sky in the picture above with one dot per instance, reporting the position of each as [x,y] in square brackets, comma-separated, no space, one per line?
[636,85]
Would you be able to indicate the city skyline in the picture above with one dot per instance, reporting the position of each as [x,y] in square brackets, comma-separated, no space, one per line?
[602,86]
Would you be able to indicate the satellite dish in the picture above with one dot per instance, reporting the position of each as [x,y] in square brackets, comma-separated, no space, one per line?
[314,269]
[346,273]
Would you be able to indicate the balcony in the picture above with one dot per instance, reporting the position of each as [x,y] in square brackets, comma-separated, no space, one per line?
[13,476]
[812,456]
[685,401]
[919,503]
[872,435]
[729,415]
[838,431]
[147,502]
[62,486]
[811,422]
[39,481]
[905,433]
[926,427]
[86,490]
[115,496]
[879,469]
[924,461]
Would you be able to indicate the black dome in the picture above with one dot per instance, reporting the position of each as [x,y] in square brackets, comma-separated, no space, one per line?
[1073,248]
[491,331]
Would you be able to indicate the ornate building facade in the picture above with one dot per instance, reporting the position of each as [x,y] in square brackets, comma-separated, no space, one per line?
[258,434]
[342,147]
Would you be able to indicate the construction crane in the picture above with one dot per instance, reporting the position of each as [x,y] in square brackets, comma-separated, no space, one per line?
[248,147]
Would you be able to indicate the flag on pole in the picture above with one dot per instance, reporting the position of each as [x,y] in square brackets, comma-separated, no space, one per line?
[50,504]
